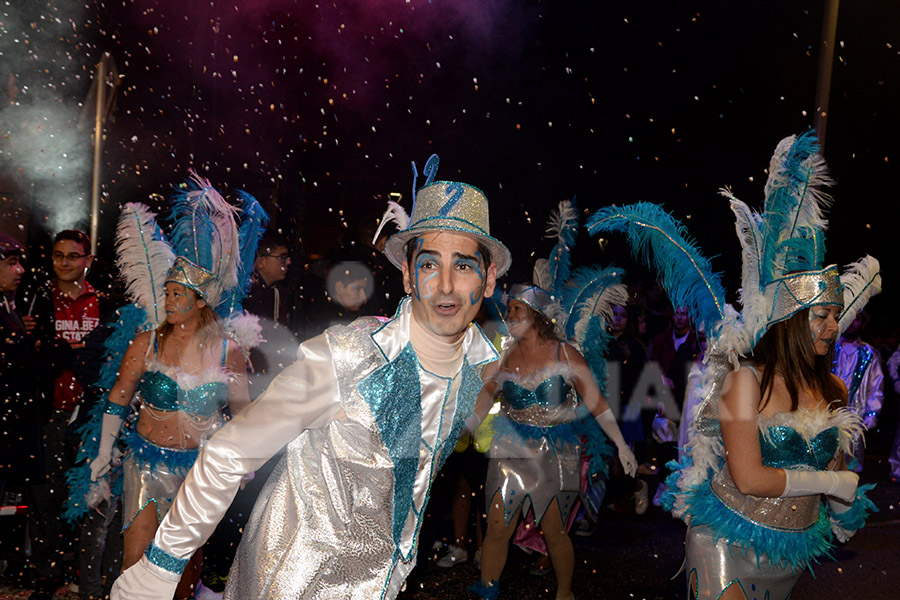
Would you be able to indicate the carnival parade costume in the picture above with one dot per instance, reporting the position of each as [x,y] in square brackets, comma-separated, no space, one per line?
[209,254]
[543,428]
[760,544]
[366,429]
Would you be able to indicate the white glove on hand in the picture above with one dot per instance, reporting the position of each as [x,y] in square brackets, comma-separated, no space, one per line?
[109,431]
[100,465]
[840,484]
[144,581]
[607,423]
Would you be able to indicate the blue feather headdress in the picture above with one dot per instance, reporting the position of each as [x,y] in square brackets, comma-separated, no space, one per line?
[662,242]
[783,249]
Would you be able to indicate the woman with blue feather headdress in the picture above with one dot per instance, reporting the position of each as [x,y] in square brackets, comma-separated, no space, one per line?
[177,354]
[552,410]
[762,484]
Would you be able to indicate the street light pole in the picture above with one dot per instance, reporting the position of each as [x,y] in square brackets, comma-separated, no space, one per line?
[826,63]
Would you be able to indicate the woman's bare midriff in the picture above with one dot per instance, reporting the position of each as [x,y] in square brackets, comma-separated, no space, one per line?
[169,429]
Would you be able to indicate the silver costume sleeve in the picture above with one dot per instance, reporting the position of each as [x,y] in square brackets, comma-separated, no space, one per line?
[304,396]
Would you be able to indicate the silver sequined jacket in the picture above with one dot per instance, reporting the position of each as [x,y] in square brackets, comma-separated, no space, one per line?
[366,429]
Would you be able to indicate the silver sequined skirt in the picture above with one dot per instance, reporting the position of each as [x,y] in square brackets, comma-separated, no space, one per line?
[718,565]
[532,473]
[145,484]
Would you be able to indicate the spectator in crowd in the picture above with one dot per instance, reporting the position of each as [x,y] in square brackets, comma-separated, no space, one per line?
[70,307]
[265,301]
[625,359]
[893,365]
[675,349]
[348,287]
[858,365]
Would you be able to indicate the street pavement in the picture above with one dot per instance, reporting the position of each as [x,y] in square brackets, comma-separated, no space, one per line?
[631,557]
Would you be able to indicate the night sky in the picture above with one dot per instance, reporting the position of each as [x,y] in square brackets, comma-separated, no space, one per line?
[319,108]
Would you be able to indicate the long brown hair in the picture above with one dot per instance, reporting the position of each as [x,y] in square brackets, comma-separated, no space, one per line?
[209,329]
[542,325]
[786,349]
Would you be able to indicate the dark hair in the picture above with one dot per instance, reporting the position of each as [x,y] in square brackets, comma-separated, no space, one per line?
[270,240]
[76,236]
[786,349]
[542,326]
[347,272]
[411,249]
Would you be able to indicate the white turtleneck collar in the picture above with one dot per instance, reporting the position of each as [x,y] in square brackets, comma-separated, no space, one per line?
[434,352]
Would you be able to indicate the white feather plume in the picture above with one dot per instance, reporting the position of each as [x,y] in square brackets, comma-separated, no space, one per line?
[754,308]
[244,329]
[540,276]
[142,260]
[600,305]
[565,217]
[394,213]
[861,280]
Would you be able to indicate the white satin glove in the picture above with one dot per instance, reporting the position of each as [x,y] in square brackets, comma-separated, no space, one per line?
[839,484]
[838,507]
[608,424]
[144,581]
[109,431]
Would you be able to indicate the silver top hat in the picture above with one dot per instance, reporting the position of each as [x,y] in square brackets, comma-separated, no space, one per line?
[448,206]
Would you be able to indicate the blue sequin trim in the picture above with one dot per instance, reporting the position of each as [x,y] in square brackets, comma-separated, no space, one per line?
[164,560]
[149,455]
[394,396]
[118,410]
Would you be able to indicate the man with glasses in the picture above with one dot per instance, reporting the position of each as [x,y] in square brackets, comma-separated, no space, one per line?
[265,300]
[70,306]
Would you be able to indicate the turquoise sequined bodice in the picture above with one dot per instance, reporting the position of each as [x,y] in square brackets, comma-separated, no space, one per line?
[161,392]
[549,393]
[786,448]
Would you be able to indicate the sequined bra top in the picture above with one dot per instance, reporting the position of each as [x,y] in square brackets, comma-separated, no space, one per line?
[550,392]
[784,447]
[544,399]
[162,392]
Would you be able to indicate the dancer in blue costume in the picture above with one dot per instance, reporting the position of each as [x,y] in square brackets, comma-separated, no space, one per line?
[184,371]
[552,409]
[762,484]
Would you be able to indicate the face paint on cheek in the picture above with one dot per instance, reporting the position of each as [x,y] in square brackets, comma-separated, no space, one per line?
[188,308]
[816,326]
[475,297]
[425,290]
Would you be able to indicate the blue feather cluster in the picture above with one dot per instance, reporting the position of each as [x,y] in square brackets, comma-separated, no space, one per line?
[131,319]
[796,549]
[862,507]
[662,242]
[191,221]
[253,224]
[787,245]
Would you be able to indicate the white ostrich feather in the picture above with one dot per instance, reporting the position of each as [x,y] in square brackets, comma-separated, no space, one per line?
[861,280]
[142,260]
[396,214]
[541,274]
[244,329]
[601,305]
[565,217]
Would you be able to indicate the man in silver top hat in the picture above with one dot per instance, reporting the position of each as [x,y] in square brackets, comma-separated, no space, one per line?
[369,412]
